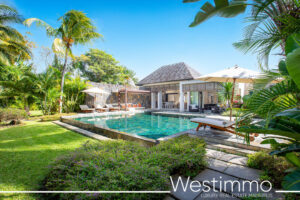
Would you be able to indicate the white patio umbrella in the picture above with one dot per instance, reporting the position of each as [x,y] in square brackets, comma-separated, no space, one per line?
[131,83]
[95,90]
[234,74]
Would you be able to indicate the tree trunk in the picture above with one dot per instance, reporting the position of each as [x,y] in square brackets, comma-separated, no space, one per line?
[26,107]
[63,81]
[126,98]
[45,105]
[231,102]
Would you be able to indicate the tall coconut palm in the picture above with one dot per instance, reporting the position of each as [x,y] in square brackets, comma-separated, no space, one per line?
[13,45]
[76,28]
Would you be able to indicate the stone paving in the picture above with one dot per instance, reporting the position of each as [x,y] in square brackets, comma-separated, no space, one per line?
[223,167]
[81,131]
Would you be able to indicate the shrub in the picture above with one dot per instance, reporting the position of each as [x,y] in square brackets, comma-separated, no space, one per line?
[182,155]
[274,167]
[121,165]
[12,114]
[235,111]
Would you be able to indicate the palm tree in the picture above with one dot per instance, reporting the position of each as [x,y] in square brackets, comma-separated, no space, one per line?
[73,95]
[272,21]
[225,93]
[13,46]
[21,82]
[270,26]
[76,28]
[48,83]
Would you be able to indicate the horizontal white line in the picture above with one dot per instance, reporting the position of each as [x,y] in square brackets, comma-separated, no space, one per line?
[85,192]
[287,191]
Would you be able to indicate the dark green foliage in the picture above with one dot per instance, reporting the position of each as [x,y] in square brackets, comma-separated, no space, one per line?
[73,94]
[99,66]
[274,167]
[181,155]
[19,82]
[291,181]
[122,165]
[12,114]
[223,8]
[13,46]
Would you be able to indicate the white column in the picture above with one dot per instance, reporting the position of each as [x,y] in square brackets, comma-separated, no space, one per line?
[203,98]
[153,100]
[181,98]
[159,100]
[242,87]
[188,102]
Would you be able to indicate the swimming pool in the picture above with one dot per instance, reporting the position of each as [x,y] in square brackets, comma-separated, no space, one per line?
[142,124]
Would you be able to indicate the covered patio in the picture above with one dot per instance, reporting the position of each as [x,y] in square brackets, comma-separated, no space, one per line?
[174,87]
[184,96]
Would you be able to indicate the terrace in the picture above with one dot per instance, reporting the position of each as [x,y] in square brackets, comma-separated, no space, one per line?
[73,124]
[174,87]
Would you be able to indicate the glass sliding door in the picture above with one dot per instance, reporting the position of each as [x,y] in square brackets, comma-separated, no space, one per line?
[195,98]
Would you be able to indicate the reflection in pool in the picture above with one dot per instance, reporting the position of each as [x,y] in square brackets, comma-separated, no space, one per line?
[142,124]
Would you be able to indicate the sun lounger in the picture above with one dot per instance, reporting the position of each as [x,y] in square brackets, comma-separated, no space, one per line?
[112,108]
[86,109]
[100,108]
[217,124]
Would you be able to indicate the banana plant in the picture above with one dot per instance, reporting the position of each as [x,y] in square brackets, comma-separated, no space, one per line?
[270,22]
[279,108]
[223,8]
[292,50]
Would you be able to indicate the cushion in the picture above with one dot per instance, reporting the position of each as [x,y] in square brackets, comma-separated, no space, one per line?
[193,106]
[98,106]
[131,109]
[108,105]
[84,107]
[215,122]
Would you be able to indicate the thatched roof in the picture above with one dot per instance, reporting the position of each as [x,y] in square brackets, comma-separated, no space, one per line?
[174,72]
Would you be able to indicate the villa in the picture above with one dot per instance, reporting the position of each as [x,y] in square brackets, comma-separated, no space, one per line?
[173,87]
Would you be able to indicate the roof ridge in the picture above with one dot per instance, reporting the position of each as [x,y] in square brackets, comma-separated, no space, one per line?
[171,72]
[191,70]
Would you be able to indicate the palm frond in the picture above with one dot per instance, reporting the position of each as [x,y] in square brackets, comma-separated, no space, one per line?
[40,23]
[270,101]
[9,15]
[223,8]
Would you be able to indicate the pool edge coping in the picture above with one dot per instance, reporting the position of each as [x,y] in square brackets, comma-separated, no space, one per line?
[70,120]
[107,132]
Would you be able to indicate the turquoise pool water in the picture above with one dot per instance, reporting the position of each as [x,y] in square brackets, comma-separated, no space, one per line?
[142,124]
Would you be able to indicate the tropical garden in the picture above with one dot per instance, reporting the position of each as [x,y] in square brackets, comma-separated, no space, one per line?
[273,26]
[42,156]
[58,88]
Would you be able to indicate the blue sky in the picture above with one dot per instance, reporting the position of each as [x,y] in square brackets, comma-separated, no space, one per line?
[146,34]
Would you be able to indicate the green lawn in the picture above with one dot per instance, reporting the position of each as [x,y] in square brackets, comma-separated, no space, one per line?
[26,151]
